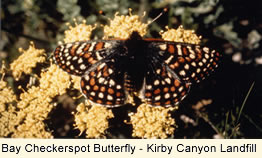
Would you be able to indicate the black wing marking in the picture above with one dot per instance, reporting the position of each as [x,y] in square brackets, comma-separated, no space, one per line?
[76,58]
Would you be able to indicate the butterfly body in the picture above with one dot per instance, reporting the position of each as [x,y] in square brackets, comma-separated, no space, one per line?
[161,72]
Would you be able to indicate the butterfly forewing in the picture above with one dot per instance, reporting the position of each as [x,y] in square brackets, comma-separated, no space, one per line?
[191,63]
[76,58]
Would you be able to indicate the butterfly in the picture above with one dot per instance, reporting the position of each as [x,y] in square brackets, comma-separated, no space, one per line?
[159,72]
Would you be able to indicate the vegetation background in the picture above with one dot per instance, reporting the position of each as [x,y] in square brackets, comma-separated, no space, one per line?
[228,104]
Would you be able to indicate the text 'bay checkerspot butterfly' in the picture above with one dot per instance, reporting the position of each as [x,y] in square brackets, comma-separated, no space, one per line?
[159,72]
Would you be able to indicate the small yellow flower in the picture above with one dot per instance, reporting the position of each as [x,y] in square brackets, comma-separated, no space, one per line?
[80,32]
[181,35]
[93,120]
[152,122]
[54,81]
[8,120]
[27,61]
[122,26]
[6,95]
[76,82]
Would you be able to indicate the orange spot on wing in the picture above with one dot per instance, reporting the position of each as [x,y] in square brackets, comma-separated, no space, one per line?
[157,91]
[176,64]
[86,47]
[92,73]
[183,93]
[199,56]
[110,91]
[188,59]
[92,81]
[109,103]
[168,102]
[103,89]
[172,66]
[118,94]
[73,50]
[57,52]
[165,89]
[99,45]
[181,60]
[185,52]
[177,83]
[87,55]
[95,88]
[157,103]
[105,72]
[82,83]
[99,101]
[148,94]
[171,48]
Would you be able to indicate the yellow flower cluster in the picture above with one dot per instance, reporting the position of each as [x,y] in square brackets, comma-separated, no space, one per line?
[81,32]
[35,103]
[6,95]
[180,35]
[152,122]
[122,26]
[92,119]
[7,109]
[27,60]
[24,117]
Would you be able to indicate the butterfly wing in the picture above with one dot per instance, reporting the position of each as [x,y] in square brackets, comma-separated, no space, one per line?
[104,85]
[191,63]
[162,87]
[76,58]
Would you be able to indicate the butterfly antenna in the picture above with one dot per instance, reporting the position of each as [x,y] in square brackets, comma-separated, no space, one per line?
[159,15]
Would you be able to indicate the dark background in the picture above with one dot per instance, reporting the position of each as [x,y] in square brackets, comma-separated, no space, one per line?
[232,27]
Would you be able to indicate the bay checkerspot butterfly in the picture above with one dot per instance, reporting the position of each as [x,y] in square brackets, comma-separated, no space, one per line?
[159,72]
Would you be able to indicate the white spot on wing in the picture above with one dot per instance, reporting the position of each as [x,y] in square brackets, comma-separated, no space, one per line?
[167,95]
[101,95]
[112,82]
[101,80]
[156,82]
[82,67]
[107,45]
[157,97]
[162,46]
[179,51]
[92,46]
[169,59]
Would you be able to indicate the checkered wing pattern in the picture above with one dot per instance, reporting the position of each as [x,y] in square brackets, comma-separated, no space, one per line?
[191,63]
[76,58]
[161,72]
[104,85]
[163,88]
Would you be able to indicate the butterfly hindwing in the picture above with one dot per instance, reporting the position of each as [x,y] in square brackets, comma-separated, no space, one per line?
[104,85]
[163,88]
